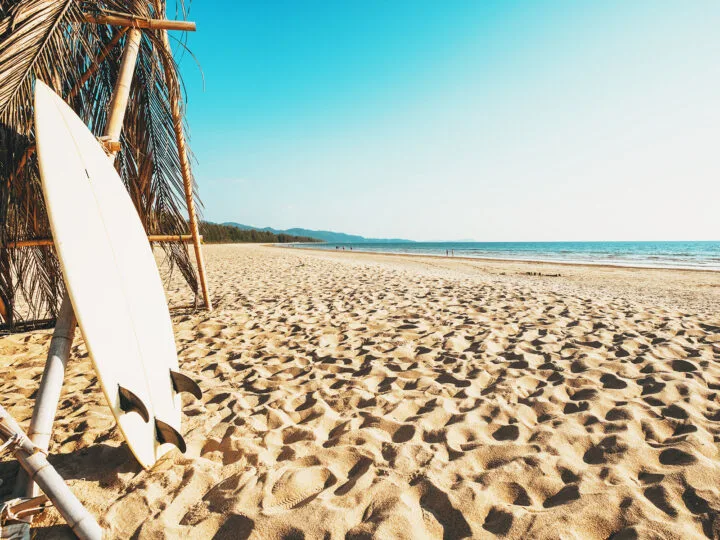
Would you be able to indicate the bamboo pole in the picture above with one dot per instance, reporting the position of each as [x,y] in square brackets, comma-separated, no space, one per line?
[121,93]
[172,238]
[29,243]
[39,242]
[133,21]
[34,462]
[174,91]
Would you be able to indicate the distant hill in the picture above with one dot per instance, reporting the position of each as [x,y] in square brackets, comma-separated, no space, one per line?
[325,236]
[215,233]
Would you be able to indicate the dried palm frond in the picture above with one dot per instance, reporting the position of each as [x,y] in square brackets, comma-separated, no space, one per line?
[50,40]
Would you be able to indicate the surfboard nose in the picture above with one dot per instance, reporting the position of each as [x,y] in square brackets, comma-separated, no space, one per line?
[43,94]
[40,86]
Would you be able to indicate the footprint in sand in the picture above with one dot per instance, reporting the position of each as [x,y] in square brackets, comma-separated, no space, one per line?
[498,521]
[683,366]
[506,433]
[657,495]
[564,496]
[611,381]
[673,456]
[295,487]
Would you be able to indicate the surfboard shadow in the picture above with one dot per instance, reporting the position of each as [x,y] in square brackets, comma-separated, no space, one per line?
[100,463]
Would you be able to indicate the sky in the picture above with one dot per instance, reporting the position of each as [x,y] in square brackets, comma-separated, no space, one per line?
[459,119]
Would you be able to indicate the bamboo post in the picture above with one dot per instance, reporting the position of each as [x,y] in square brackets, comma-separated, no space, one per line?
[40,242]
[140,22]
[185,167]
[121,93]
[34,462]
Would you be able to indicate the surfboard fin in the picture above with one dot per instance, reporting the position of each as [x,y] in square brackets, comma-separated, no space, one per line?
[165,433]
[183,383]
[130,402]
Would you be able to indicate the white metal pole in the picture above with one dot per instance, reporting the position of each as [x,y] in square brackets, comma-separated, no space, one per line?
[35,463]
[48,395]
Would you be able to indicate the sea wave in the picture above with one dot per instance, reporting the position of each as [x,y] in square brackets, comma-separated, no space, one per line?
[701,255]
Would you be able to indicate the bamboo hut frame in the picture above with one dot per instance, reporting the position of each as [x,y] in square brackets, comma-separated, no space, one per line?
[115,123]
[160,230]
[47,400]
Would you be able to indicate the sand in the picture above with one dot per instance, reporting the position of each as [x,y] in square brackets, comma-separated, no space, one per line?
[349,395]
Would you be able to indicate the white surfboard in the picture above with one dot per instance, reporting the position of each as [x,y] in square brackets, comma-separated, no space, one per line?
[112,279]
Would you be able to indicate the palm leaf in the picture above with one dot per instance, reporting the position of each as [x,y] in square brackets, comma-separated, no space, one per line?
[48,39]
[30,29]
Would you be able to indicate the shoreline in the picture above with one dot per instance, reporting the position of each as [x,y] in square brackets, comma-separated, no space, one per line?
[500,260]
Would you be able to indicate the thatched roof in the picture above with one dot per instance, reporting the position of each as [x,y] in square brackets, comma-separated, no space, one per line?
[50,40]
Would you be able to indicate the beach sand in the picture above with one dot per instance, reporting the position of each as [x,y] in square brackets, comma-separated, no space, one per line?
[350,395]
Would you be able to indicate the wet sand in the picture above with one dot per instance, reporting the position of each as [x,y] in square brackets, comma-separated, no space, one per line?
[351,395]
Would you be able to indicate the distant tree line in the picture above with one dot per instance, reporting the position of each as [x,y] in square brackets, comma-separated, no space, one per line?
[214,233]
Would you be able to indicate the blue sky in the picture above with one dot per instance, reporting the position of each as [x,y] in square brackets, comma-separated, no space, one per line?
[459,119]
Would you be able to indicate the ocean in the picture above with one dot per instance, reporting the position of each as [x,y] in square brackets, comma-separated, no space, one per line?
[688,255]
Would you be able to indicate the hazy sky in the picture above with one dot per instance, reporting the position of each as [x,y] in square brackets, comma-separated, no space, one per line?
[443,120]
